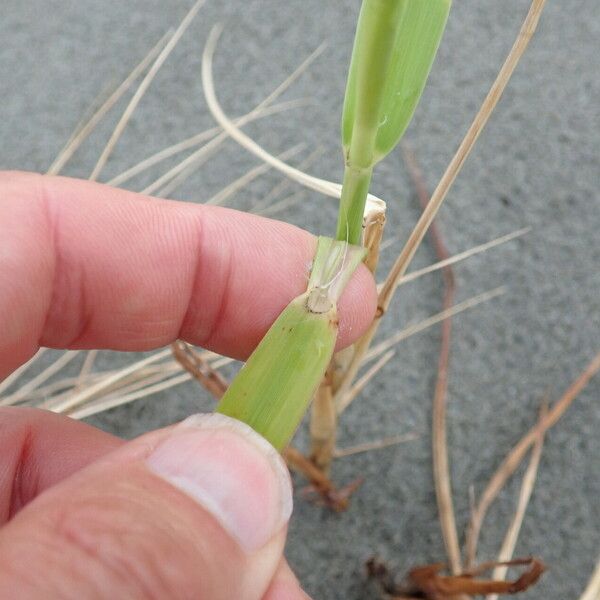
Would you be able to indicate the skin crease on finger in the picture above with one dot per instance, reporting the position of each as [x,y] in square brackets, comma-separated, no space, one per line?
[91,266]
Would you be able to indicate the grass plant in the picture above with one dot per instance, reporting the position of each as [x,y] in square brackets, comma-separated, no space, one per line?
[393,36]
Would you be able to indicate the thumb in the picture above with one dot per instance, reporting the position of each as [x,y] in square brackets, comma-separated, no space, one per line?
[198,510]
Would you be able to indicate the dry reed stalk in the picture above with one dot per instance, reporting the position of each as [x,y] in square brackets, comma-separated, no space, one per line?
[107,403]
[277,190]
[441,468]
[168,180]
[323,425]
[334,498]
[328,188]
[222,195]
[196,140]
[199,368]
[455,258]
[12,378]
[167,183]
[362,381]
[401,335]
[82,132]
[79,398]
[518,452]
[282,204]
[385,442]
[489,104]
[481,118]
[161,58]
[592,589]
[62,361]
[512,533]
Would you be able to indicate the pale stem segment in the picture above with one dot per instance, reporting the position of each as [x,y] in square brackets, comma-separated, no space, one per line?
[323,423]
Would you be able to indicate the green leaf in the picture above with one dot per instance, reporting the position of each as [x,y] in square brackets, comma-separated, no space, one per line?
[274,388]
[395,45]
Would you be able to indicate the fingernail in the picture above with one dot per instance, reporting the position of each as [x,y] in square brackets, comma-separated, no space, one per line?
[232,471]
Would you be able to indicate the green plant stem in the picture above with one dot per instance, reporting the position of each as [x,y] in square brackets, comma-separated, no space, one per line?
[373,47]
[352,204]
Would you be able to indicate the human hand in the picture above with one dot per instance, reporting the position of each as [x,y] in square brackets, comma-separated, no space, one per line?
[198,510]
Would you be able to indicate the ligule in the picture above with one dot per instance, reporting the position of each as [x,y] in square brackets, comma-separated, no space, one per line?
[272,391]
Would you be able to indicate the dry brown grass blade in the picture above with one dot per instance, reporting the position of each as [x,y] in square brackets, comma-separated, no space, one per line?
[441,468]
[143,87]
[592,589]
[222,195]
[334,498]
[282,204]
[361,383]
[385,442]
[481,119]
[82,133]
[396,338]
[195,140]
[516,455]
[437,587]
[21,394]
[456,258]
[172,178]
[81,397]
[268,201]
[167,183]
[87,367]
[322,186]
[199,368]
[106,403]
[426,583]
[512,534]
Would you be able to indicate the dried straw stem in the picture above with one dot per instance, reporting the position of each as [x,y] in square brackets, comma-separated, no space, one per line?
[323,425]
[12,378]
[404,258]
[267,202]
[592,590]
[516,455]
[222,195]
[441,469]
[385,442]
[328,188]
[83,132]
[452,260]
[116,134]
[196,140]
[473,133]
[394,339]
[512,534]
[199,368]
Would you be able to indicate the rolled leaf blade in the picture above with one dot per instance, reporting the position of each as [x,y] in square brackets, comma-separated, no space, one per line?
[386,80]
[422,25]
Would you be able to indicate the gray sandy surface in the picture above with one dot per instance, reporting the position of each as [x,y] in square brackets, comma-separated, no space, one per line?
[536,165]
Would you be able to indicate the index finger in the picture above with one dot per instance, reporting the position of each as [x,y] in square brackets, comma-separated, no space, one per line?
[84,265]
